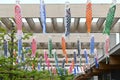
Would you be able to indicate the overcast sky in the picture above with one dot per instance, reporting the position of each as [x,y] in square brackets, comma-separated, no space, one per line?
[54,1]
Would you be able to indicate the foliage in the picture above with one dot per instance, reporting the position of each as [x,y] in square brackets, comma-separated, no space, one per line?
[11,70]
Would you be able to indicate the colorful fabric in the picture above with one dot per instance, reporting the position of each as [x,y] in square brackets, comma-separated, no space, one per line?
[54,70]
[75,57]
[80,61]
[77,68]
[107,45]
[92,44]
[63,63]
[38,66]
[64,73]
[34,47]
[86,56]
[109,19]
[88,15]
[96,58]
[18,18]
[63,45]
[66,58]
[50,48]
[67,19]
[78,48]
[70,69]
[43,15]
[19,47]
[48,63]
[45,56]
[23,57]
[40,61]
[72,65]
[75,73]
[56,62]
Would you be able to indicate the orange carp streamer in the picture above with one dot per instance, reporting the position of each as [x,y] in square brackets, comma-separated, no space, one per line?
[88,15]
[64,46]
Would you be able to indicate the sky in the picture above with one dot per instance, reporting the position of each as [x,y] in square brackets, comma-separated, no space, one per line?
[55,1]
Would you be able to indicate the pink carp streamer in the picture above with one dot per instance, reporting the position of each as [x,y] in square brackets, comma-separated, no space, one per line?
[18,17]
[34,47]
[107,44]
[46,59]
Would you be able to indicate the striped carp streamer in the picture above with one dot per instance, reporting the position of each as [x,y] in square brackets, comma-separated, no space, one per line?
[23,57]
[77,68]
[56,62]
[45,56]
[70,69]
[54,71]
[66,58]
[50,48]
[64,73]
[38,66]
[92,44]
[34,47]
[78,47]
[75,73]
[46,59]
[96,58]
[73,64]
[64,48]
[63,45]
[86,56]
[40,63]
[63,63]
[18,17]
[110,18]
[75,57]
[48,63]
[88,15]
[67,19]
[20,47]
[5,46]
[18,20]
[107,45]
[43,15]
